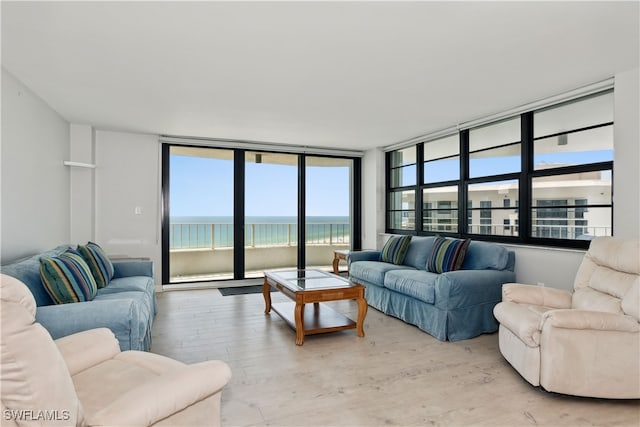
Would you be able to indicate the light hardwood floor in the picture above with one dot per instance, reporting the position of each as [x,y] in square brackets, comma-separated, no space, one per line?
[396,375]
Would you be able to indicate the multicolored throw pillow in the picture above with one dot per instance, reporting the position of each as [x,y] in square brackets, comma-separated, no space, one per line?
[99,263]
[395,249]
[447,255]
[67,278]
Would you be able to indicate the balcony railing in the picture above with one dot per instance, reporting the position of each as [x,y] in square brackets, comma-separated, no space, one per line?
[217,236]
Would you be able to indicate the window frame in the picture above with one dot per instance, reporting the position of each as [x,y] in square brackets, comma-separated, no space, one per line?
[524,205]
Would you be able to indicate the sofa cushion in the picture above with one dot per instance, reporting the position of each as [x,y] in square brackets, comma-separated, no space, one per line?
[485,256]
[67,278]
[447,255]
[419,251]
[132,283]
[417,284]
[373,271]
[99,262]
[395,249]
[27,270]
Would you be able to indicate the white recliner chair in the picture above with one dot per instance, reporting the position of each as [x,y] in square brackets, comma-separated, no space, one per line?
[85,380]
[584,343]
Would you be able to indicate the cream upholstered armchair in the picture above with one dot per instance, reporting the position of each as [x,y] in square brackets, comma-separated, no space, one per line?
[84,379]
[585,343]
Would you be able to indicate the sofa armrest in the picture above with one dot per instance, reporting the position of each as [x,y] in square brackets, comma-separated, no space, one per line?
[132,268]
[592,320]
[363,256]
[466,288]
[119,315]
[165,395]
[86,349]
[536,295]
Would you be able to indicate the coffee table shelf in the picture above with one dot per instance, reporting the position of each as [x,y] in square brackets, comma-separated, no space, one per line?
[306,287]
[318,318]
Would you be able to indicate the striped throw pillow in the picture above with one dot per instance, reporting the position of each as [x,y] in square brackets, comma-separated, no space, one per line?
[67,278]
[99,263]
[447,255]
[395,249]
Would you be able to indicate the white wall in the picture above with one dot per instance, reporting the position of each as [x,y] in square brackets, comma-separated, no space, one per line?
[626,163]
[35,184]
[373,188]
[82,190]
[127,178]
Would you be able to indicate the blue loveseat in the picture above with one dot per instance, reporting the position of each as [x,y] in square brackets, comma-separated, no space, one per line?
[127,305]
[453,306]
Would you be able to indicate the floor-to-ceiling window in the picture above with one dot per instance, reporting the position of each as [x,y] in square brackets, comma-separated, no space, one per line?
[271,212]
[328,207]
[232,213]
[201,213]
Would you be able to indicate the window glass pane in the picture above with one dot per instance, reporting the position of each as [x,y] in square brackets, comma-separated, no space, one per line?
[328,207]
[269,225]
[444,147]
[575,223]
[577,148]
[402,200]
[442,170]
[578,114]
[401,177]
[495,161]
[594,187]
[491,215]
[439,194]
[402,220]
[440,209]
[403,157]
[201,214]
[561,205]
[495,134]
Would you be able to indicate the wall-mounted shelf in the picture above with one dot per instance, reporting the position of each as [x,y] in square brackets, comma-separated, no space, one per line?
[79,164]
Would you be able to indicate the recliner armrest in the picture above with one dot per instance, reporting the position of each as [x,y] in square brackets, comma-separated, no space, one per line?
[165,395]
[593,320]
[88,348]
[536,295]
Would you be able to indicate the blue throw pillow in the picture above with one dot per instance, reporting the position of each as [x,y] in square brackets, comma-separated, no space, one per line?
[395,249]
[67,278]
[447,255]
[99,263]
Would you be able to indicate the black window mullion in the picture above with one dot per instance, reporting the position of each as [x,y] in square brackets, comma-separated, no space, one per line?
[302,209]
[165,212]
[463,191]
[524,207]
[418,191]
[238,213]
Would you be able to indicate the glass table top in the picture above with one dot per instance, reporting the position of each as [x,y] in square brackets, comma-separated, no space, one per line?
[309,279]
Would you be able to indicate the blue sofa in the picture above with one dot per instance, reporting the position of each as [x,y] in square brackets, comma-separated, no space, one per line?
[127,305]
[453,306]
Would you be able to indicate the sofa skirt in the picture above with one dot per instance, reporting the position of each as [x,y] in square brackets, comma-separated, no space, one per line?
[446,325]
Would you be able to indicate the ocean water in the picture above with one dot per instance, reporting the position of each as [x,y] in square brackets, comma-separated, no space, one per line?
[217,231]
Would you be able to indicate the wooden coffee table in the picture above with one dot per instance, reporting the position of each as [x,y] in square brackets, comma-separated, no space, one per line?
[314,286]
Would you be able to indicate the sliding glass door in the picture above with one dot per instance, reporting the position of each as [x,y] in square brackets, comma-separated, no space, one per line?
[234,213]
[328,183]
[200,214]
[271,212]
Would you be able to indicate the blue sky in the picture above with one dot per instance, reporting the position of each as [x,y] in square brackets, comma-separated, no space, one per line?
[204,187]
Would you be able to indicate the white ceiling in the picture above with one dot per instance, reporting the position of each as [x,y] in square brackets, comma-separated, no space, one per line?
[331,74]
